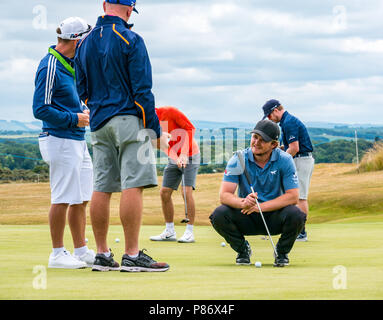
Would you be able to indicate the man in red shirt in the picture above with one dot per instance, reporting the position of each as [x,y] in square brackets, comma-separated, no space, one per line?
[184,157]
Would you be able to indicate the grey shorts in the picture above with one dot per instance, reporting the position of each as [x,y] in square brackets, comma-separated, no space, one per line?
[305,167]
[173,175]
[123,157]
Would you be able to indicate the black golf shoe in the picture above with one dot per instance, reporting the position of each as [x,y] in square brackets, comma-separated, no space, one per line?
[281,260]
[143,263]
[302,237]
[104,263]
[243,257]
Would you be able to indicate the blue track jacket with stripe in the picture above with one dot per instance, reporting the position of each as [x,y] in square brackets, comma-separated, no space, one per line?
[55,99]
[114,74]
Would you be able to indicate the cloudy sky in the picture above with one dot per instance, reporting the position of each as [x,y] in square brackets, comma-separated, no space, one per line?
[221,60]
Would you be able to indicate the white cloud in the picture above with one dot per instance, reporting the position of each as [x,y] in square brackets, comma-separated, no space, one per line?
[18,71]
[221,60]
[357,44]
[188,76]
[342,101]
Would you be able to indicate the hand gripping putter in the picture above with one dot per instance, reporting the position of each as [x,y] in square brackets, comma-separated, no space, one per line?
[242,161]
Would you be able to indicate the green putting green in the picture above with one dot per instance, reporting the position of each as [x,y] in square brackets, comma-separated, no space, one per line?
[340,261]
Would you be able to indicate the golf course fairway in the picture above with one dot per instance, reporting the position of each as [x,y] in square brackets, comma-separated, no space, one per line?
[340,261]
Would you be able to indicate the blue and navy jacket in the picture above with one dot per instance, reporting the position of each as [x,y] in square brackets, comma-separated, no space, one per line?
[55,99]
[294,130]
[114,74]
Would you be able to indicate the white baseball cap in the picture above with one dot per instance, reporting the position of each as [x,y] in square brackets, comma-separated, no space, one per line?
[73,28]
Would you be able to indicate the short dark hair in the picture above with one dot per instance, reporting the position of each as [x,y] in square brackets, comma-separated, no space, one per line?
[58,31]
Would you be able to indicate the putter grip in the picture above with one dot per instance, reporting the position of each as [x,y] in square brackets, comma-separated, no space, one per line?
[242,161]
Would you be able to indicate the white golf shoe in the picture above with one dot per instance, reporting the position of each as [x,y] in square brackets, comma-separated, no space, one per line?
[65,260]
[165,236]
[188,237]
[88,257]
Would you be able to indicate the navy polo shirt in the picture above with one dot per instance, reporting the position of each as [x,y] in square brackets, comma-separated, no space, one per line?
[270,182]
[294,130]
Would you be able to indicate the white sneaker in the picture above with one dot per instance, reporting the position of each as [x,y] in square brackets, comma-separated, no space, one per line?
[88,257]
[65,260]
[165,236]
[188,237]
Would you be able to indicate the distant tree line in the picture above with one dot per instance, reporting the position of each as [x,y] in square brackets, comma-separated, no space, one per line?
[370,133]
[16,155]
[22,160]
[16,132]
[341,151]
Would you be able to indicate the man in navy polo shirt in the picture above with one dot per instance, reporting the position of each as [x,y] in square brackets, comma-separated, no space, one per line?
[274,179]
[296,141]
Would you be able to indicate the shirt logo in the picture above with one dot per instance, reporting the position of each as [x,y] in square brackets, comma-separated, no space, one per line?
[273,172]
[291,138]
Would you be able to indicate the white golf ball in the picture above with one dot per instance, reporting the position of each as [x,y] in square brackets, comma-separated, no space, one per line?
[223,244]
[258,264]
[86,240]
[117,240]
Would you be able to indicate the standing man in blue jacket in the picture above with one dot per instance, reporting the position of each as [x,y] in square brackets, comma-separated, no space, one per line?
[63,146]
[297,142]
[114,76]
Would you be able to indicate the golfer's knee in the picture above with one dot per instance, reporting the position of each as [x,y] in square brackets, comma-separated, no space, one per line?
[189,192]
[219,216]
[166,194]
[296,216]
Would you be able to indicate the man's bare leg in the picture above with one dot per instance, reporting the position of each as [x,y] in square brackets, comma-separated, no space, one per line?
[131,207]
[190,205]
[57,220]
[167,204]
[77,223]
[99,214]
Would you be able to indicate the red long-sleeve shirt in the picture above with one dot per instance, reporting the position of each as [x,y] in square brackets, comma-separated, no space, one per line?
[181,129]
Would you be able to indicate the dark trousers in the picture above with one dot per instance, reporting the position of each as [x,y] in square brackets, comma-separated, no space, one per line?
[233,225]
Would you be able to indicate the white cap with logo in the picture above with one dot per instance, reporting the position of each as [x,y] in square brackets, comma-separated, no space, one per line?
[73,28]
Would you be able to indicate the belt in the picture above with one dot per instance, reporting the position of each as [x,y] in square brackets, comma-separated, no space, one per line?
[303,154]
[43,134]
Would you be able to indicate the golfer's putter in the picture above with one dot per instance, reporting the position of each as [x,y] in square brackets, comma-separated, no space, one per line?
[186,219]
[242,161]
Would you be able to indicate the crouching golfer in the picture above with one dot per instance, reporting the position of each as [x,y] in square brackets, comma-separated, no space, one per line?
[275,182]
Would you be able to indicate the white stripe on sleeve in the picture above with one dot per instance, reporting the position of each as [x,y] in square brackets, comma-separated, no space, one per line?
[50,79]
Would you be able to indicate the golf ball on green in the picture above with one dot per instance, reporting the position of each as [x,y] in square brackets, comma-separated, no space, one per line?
[223,244]
[258,264]
[117,240]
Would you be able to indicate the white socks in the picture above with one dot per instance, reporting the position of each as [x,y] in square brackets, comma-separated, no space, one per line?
[77,251]
[106,254]
[189,228]
[57,251]
[80,251]
[170,227]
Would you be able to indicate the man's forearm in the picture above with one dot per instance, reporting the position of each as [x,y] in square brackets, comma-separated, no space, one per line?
[280,202]
[231,200]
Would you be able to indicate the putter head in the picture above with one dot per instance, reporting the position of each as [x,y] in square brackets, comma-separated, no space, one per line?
[186,220]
